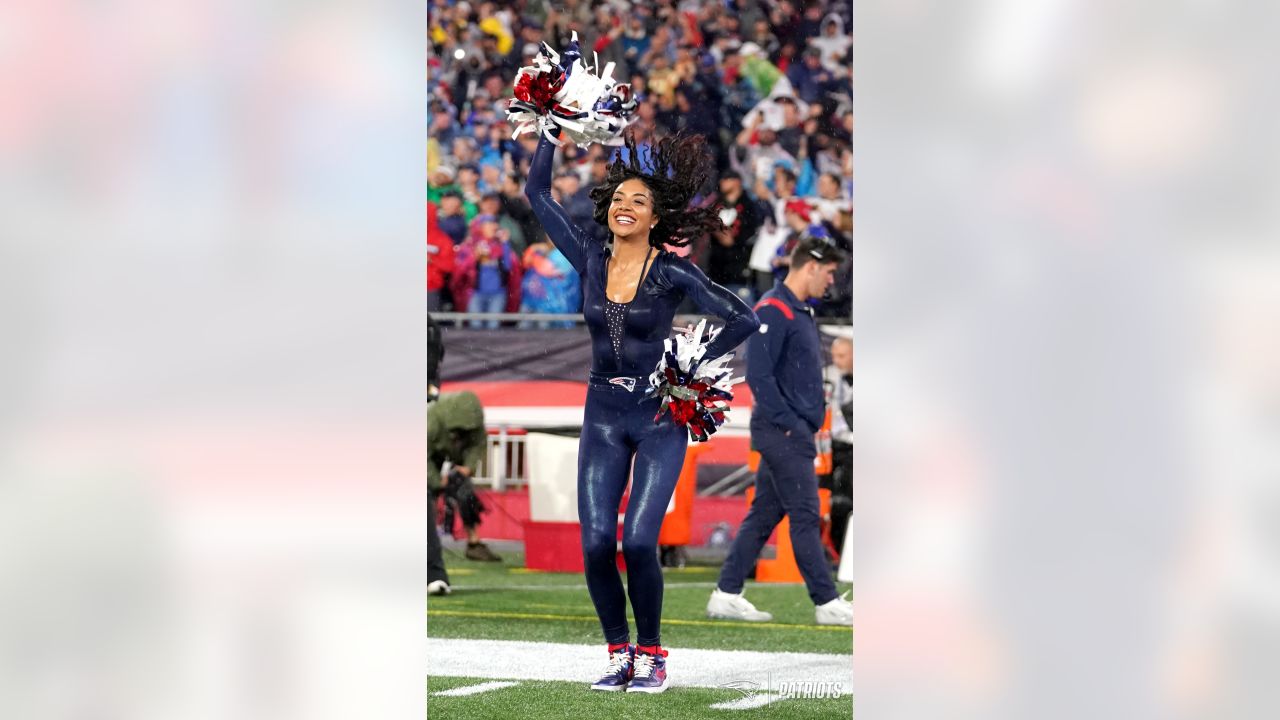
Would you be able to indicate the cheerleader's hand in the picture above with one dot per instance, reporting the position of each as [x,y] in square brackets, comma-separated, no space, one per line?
[570,54]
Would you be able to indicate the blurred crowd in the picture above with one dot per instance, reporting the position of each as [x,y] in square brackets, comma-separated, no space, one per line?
[767,82]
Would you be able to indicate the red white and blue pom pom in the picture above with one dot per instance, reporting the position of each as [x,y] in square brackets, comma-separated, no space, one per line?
[559,89]
[695,393]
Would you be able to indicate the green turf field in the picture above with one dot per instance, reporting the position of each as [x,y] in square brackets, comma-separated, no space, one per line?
[571,701]
[504,601]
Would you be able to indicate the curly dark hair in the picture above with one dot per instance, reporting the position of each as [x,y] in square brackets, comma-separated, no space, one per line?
[681,165]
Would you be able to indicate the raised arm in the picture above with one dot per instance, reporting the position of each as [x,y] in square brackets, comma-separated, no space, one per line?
[739,321]
[567,237]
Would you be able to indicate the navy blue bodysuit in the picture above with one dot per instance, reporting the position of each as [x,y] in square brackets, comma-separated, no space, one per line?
[618,422]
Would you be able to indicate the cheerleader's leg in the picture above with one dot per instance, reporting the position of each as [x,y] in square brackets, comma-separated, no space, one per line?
[659,458]
[604,459]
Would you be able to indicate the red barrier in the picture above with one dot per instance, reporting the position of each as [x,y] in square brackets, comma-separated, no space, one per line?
[553,546]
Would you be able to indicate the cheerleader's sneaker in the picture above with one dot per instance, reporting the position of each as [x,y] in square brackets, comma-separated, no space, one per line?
[618,674]
[650,671]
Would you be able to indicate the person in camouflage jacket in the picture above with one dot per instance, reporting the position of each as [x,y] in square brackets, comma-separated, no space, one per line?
[456,435]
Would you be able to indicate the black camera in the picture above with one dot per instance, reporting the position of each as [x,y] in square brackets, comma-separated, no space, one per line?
[460,500]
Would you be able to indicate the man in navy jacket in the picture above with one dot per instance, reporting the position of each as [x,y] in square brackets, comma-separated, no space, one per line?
[785,373]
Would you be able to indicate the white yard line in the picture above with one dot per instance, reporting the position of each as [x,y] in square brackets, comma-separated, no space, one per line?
[748,702]
[518,660]
[474,689]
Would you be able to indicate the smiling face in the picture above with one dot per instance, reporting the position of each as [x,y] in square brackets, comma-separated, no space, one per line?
[631,210]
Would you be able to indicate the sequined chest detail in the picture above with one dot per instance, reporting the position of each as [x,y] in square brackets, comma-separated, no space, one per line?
[615,314]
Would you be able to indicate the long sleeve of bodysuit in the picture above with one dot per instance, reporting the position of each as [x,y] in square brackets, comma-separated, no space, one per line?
[570,239]
[739,320]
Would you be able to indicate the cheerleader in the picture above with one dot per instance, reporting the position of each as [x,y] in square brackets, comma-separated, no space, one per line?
[631,289]
[647,394]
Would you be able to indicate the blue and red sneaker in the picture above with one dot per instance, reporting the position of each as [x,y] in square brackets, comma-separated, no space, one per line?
[650,671]
[618,674]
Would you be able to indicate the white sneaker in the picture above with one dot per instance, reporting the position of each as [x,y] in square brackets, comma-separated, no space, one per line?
[730,606]
[438,587]
[837,612]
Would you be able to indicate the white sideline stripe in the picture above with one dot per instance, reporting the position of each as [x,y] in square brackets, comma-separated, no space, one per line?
[521,660]
[474,689]
[746,703]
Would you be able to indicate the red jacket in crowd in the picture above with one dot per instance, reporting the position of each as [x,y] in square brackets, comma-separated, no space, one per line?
[439,252]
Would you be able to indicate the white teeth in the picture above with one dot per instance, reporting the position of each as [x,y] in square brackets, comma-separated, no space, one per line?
[625,221]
